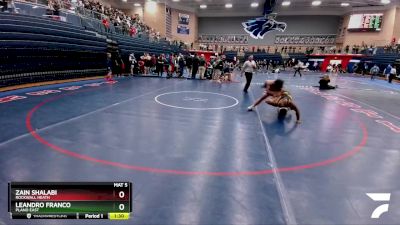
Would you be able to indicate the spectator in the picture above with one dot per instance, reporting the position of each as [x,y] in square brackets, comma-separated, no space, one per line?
[171,66]
[189,64]
[393,74]
[56,7]
[123,23]
[106,24]
[8,6]
[147,64]
[132,61]
[153,63]
[218,67]
[374,71]
[355,68]
[116,63]
[4,5]
[387,71]
[195,64]
[202,66]
[340,68]
[329,68]
[181,65]
[109,68]
[315,66]
[141,64]
[364,69]
[159,66]
[166,63]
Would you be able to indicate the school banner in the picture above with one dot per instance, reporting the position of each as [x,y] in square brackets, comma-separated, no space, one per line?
[235,39]
[319,40]
[183,19]
[183,30]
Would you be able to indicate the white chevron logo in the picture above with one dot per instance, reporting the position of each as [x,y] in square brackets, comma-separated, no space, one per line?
[379,197]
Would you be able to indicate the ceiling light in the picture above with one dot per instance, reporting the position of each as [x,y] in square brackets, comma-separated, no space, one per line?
[316,3]
[137,4]
[175,0]
[286,3]
[254,4]
[345,4]
[385,1]
[228,5]
[150,7]
[124,0]
[203,6]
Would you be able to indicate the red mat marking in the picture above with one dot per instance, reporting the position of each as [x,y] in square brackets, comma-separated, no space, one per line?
[67,152]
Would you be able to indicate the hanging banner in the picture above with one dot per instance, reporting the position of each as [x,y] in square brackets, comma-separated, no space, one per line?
[183,19]
[321,40]
[183,30]
[238,39]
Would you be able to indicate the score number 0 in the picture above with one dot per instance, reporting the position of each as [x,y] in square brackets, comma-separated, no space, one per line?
[121,206]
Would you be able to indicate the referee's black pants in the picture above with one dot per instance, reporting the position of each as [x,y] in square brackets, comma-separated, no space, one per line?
[249,77]
[297,71]
[391,77]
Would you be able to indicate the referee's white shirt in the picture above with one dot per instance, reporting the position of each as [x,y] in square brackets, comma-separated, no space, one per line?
[249,66]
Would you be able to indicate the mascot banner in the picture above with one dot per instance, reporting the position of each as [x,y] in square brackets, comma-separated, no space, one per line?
[258,27]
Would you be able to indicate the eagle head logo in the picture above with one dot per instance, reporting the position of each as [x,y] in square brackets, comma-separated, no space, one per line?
[258,27]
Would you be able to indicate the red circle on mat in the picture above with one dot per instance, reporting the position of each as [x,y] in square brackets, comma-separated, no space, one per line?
[67,152]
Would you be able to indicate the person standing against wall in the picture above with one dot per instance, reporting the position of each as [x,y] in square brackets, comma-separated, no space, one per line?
[374,71]
[393,73]
[132,62]
[248,69]
[195,64]
[218,67]
[160,65]
[202,66]
[189,61]
[181,63]
[387,71]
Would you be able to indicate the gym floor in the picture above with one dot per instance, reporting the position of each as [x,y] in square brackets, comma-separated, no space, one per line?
[196,156]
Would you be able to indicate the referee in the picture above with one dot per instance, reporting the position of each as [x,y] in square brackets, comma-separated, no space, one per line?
[248,68]
[298,68]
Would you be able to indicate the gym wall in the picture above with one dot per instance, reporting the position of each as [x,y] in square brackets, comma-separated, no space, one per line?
[133,11]
[154,16]
[296,25]
[193,26]
[390,29]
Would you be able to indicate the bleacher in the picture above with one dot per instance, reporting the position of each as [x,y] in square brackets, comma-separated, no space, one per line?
[298,56]
[230,54]
[35,49]
[139,46]
[267,56]
[39,49]
[381,59]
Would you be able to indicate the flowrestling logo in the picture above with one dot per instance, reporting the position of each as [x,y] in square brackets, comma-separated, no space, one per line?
[12,98]
[380,197]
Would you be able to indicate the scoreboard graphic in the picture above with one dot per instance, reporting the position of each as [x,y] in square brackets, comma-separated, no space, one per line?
[74,200]
[365,22]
